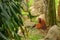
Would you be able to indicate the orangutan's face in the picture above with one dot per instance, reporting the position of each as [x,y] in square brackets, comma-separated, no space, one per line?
[39,20]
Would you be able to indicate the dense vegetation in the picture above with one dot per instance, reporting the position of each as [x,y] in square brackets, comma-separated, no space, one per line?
[11,17]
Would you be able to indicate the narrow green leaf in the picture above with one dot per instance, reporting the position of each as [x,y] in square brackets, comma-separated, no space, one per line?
[4,12]
[16,8]
[1,35]
[7,9]
[16,37]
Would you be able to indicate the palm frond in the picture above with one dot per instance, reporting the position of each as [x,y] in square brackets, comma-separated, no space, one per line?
[10,21]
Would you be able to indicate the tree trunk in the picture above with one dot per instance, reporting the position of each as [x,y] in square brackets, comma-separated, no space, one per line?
[51,12]
[59,10]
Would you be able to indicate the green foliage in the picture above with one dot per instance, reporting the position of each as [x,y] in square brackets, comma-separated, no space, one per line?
[36,37]
[27,12]
[57,3]
[10,19]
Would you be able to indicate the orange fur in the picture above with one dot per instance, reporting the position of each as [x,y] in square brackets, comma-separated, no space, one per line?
[41,24]
[38,26]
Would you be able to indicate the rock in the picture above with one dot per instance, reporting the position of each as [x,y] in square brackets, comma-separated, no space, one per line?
[38,7]
[53,33]
[28,23]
